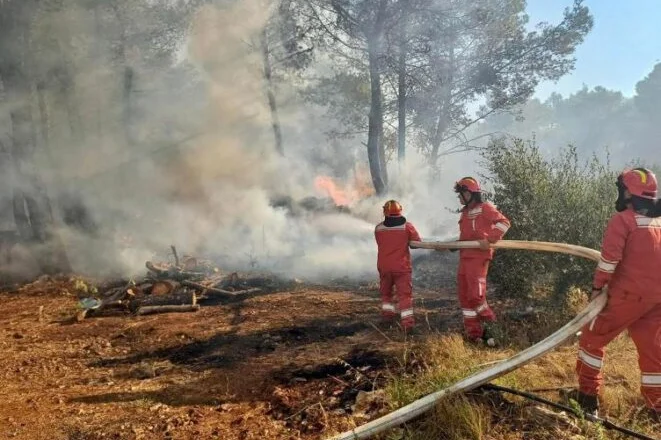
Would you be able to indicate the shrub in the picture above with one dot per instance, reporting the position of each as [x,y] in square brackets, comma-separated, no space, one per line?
[559,199]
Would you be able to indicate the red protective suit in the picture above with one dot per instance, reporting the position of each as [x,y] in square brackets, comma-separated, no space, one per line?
[631,266]
[394,265]
[479,221]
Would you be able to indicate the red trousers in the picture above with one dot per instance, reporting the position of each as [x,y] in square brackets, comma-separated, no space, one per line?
[403,283]
[642,318]
[472,289]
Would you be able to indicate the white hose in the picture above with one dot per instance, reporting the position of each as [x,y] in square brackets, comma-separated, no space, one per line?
[426,403]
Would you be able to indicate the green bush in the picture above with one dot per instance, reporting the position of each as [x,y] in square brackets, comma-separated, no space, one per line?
[561,199]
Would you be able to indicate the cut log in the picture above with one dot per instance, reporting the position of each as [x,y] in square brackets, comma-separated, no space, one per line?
[178,298]
[189,263]
[148,310]
[145,288]
[164,287]
[112,284]
[156,270]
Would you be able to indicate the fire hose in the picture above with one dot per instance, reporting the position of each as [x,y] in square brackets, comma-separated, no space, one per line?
[420,406]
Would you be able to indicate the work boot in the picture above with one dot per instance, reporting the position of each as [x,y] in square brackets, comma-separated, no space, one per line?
[489,335]
[388,318]
[588,403]
[482,341]
[407,323]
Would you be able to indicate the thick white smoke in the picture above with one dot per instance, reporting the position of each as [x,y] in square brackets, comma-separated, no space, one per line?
[212,194]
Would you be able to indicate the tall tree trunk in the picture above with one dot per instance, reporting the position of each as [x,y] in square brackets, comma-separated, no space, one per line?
[443,120]
[375,148]
[32,209]
[268,79]
[375,128]
[401,87]
[439,131]
[21,216]
[32,204]
[98,49]
[127,75]
[43,118]
[63,78]
[127,107]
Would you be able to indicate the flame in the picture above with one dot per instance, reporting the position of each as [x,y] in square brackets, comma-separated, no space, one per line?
[348,193]
[328,186]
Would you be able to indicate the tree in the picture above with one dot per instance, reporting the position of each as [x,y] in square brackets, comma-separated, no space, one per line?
[358,28]
[481,52]
[436,59]
[45,48]
[32,207]
[592,120]
[646,102]
[284,43]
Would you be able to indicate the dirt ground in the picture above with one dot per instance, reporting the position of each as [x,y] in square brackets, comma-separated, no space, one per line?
[282,365]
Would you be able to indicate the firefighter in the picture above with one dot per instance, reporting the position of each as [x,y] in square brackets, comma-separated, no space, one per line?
[483,222]
[394,264]
[630,266]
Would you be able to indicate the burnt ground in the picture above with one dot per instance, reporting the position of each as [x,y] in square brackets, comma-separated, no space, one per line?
[286,364]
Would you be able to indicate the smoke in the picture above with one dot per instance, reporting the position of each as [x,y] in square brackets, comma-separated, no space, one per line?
[198,168]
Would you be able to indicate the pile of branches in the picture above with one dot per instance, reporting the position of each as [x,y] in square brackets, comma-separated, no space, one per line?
[166,288]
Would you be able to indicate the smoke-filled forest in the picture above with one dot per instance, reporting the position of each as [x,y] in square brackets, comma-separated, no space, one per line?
[224,163]
[131,126]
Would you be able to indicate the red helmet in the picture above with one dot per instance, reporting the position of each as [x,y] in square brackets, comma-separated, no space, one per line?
[467,184]
[640,182]
[392,208]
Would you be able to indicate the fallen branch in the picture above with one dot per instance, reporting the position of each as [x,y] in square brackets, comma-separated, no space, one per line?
[148,310]
[206,289]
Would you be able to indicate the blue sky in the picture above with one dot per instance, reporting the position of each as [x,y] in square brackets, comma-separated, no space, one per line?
[624,45]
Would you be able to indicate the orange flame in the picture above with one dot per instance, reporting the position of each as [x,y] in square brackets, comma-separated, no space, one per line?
[327,185]
[345,194]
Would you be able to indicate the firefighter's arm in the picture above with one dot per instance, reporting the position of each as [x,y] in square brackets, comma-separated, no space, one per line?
[499,224]
[412,232]
[615,238]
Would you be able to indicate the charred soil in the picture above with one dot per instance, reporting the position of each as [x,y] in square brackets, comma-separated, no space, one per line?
[288,364]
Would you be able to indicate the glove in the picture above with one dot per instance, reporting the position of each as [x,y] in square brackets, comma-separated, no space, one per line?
[484,245]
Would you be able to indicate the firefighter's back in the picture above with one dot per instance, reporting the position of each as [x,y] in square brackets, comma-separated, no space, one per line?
[640,268]
[393,247]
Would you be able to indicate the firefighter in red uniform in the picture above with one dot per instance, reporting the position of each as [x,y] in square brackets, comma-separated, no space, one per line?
[630,266]
[483,222]
[394,263]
